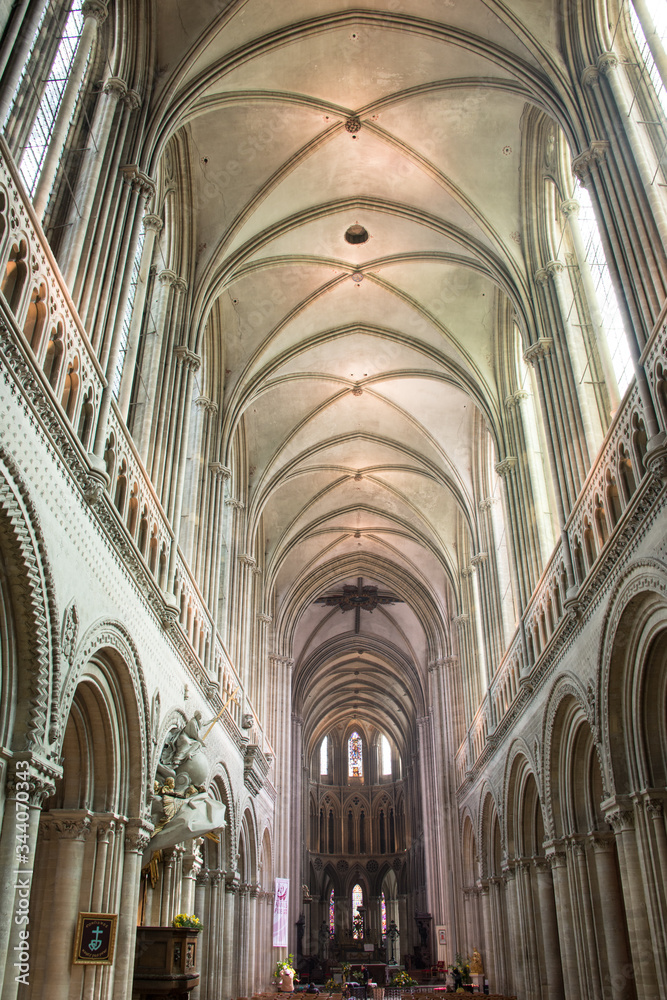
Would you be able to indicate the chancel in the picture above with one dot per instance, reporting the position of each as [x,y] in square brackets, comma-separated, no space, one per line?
[333,469]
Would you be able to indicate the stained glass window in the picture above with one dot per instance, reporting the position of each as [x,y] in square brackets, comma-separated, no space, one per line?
[332,914]
[355,765]
[357,920]
[383,911]
[385,755]
[324,756]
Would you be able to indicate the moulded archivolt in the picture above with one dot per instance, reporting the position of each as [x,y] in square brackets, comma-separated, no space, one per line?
[36,614]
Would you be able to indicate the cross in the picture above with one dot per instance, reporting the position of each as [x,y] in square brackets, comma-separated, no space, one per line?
[359,599]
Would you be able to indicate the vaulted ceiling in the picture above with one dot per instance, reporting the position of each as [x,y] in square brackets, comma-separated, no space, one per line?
[357,376]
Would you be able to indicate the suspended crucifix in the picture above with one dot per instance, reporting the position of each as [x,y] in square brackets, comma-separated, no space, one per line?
[358,599]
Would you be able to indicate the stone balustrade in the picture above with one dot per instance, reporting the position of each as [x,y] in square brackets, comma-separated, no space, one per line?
[45,345]
[623,480]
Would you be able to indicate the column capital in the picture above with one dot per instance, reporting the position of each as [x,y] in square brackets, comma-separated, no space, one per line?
[581,164]
[538,351]
[96,9]
[515,400]
[234,503]
[570,208]
[460,621]
[114,87]
[137,836]
[167,277]
[488,502]
[554,267]
[506,466]
[187,358]
[601,842]
[220,471]
[204,403]
[607,63]
[138,180]
[479,559]
[621,820]
[232,883]
[590,76]
[152,222]
[68,824]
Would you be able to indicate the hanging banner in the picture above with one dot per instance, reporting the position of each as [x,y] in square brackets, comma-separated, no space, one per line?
[280,905]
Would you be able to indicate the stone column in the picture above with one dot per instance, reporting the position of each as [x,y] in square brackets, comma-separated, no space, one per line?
[191,867]
[71,829]
[557,859]
[137,837]
[94,12]
[613,917]
[486,947]
[591,962]
[632,879]
[215,959]
[228,957]
[152,226]
[26,789]
[168,866]
[207,945]
[499,937]
[95,159]
[16,47]
[96,978]
[191,363]
[516,970]
[552,979]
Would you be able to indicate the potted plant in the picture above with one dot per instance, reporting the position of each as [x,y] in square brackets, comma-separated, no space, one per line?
[192,922]
[460,971]
[286,975]
[402,978]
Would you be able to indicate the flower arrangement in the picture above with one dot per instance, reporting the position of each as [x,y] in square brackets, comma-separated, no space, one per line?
[345,968]
[183,920]
[285,965]
[402,978]
[460,971]
[331,985]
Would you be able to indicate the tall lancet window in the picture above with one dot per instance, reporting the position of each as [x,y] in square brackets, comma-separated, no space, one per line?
[385,756]
[357,919]
[355,767]
[657,13]
[383,911]
[324,756]
[54,87]
[332,914]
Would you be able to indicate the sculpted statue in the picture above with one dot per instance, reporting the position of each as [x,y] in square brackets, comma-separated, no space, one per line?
[476,968]
[180,817]
[184,759]
[188,742]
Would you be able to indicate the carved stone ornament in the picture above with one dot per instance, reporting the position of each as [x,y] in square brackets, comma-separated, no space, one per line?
[70,632]
[506,466]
